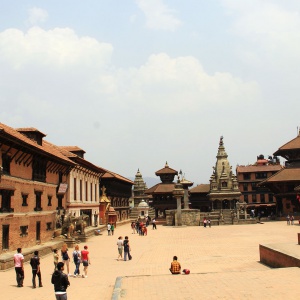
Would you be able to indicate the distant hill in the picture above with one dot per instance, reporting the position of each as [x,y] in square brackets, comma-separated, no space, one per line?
[150,181]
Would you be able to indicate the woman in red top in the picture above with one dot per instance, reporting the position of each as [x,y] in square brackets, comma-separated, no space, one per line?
[85,260]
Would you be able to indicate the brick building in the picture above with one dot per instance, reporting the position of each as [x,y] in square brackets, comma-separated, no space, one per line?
[32,170]
[118,190]
[259,198]
[284,183]
[83,183]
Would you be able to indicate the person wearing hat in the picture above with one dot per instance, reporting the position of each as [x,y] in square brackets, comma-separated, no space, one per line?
[85,260]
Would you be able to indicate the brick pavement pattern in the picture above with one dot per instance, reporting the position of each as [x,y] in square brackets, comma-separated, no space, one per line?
[224,264]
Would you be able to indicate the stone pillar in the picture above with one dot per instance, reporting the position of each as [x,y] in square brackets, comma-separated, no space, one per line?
[178,193]
[178,219]
[186,199]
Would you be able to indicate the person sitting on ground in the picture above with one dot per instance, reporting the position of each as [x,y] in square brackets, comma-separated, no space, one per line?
[175,266]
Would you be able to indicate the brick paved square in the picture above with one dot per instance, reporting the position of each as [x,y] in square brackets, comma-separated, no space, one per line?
[224,264]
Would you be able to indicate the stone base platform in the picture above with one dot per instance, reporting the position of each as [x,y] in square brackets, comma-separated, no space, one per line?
[280,255]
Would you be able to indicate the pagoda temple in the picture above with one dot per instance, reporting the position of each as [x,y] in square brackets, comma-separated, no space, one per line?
[284,184]
[161,193]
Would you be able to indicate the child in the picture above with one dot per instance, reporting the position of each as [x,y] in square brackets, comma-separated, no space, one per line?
[55,259]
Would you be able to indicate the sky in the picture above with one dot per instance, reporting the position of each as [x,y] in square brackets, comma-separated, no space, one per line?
[136,83]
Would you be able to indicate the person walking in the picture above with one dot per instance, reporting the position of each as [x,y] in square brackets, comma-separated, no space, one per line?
[108,228]
[61,282]
[204,222]
[55,258]
[153,223]
[65,257]
[133,227]
[36,269]
[175,266]
[76,260]
[120,247]
[209,223]
[85,261]
[19,267]
[112,228]
[127,249]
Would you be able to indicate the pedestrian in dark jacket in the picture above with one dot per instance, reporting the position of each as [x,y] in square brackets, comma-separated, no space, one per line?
[36,269]
[61,282]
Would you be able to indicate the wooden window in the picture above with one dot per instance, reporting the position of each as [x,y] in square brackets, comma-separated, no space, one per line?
[23,231]
[80,190]
[86,191]
[49,200]
[6,201]
[49,226]
[75,189]
[39,169]
[38,201]
[24,199]
[91,192]
[6,163]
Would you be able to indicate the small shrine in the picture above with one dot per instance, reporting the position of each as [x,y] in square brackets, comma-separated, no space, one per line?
[143,209]
[104,206]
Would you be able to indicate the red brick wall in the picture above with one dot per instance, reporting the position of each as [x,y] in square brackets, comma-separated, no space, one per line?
[20,179]
[277,259]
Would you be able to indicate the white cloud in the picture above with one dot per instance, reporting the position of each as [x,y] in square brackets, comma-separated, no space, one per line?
[181,84]
[67,86]
[69,66]
[37,15]
[269,29]
[57,47]
[158,15]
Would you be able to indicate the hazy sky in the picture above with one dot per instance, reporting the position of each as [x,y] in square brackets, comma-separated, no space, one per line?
[138,83]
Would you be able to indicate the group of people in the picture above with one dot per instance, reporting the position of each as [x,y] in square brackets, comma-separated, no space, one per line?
[206,222]
[139,227]
[35,266]
[290,219]
[110,229]
[78,258]
[124,245]
[58,279]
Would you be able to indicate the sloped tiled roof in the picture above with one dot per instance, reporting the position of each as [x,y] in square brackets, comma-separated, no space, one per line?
[30,129]
[166,170]
[285,174]
[72,148]
[46,147]
[201,188]
[294,144]
[110,174]
[161,188]
[253,168]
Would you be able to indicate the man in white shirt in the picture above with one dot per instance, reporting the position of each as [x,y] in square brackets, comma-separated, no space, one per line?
[108,228]
[19,267]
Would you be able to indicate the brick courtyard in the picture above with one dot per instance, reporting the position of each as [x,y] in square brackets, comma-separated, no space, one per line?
[224,264]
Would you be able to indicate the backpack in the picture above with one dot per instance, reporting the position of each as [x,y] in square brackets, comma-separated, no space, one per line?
[65,255]
[75,256]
